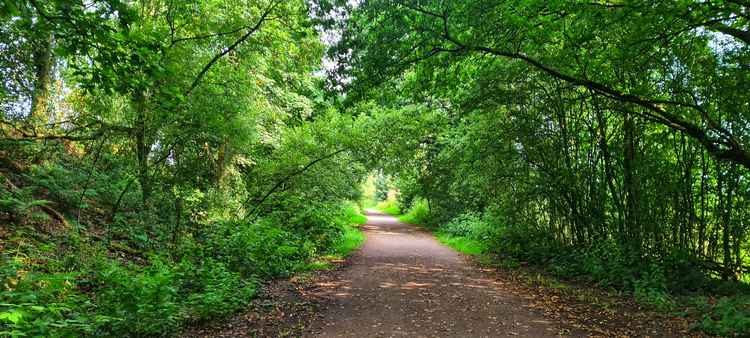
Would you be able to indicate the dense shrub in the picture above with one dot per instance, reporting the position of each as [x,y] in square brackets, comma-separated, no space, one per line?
[213,290]
[727,316]
[471,225]
[389,206]
[39,305]
[418,213]
[143,304]
[258,249]
[209,275]
[651,281]
[352,213]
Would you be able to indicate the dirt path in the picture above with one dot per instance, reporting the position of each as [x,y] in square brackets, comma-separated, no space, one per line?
[404,283]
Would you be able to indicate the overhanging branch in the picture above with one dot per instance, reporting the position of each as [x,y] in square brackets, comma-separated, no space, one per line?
[233,46]
[287,178]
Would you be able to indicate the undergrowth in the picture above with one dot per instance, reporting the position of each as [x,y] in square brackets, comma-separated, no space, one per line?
[463,245]
[389,206]
[418,213]
[80,286]
[352,238]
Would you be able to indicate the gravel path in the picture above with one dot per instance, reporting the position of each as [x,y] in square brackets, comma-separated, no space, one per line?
[404,283]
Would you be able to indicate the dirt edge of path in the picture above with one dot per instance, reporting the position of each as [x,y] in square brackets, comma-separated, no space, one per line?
[282,308]
[597,311]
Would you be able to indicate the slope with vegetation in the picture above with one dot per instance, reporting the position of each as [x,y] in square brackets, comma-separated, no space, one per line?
[160,159]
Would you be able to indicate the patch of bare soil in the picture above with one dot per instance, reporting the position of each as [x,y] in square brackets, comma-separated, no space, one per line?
[284,308]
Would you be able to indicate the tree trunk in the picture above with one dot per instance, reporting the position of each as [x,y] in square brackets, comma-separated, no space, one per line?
[609,171]
[629,185]
[702,220]
[141,146]
[42,58]
[221,162]
[727,225]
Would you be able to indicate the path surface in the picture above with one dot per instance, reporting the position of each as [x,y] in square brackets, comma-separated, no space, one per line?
[404,283]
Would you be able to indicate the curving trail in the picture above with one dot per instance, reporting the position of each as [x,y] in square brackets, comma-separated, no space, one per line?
[404,283]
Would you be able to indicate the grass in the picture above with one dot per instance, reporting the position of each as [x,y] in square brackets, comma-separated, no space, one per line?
[389,207]
[353,237]
[351,240]
[419,213]
[463,245]
[358,219]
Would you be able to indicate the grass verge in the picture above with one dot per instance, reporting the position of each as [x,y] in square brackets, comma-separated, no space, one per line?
[389,207]
[350,241]
[463,245]
[418,213]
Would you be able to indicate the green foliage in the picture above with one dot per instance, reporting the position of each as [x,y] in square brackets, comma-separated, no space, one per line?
[465,245]
[353,214]
[216,273]
[258,249]
[381,188]
[651,288]
[418,213]
[726,316]
[214,290]
[43,304]
[20,204]
[195,149]
[620,183]
[350,219]
[192,149]
[472,226]
[141,303]
[389,206]
[351,240]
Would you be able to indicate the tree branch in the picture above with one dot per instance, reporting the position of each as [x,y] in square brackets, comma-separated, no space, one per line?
[231,47]
[287,178]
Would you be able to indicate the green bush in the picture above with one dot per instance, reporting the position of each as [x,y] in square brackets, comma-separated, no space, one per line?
[212,290]
[727,316]
[389,206]
[418,213]
[351,240]
[258,249]
[352,214]
[143,304]
[470,225]
[42,305]
[320,227]
[464,245]
[210,272]
[20,203]
[651,288]
[684,272]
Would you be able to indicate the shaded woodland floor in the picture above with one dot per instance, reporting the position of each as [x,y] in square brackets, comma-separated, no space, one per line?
[404,283]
